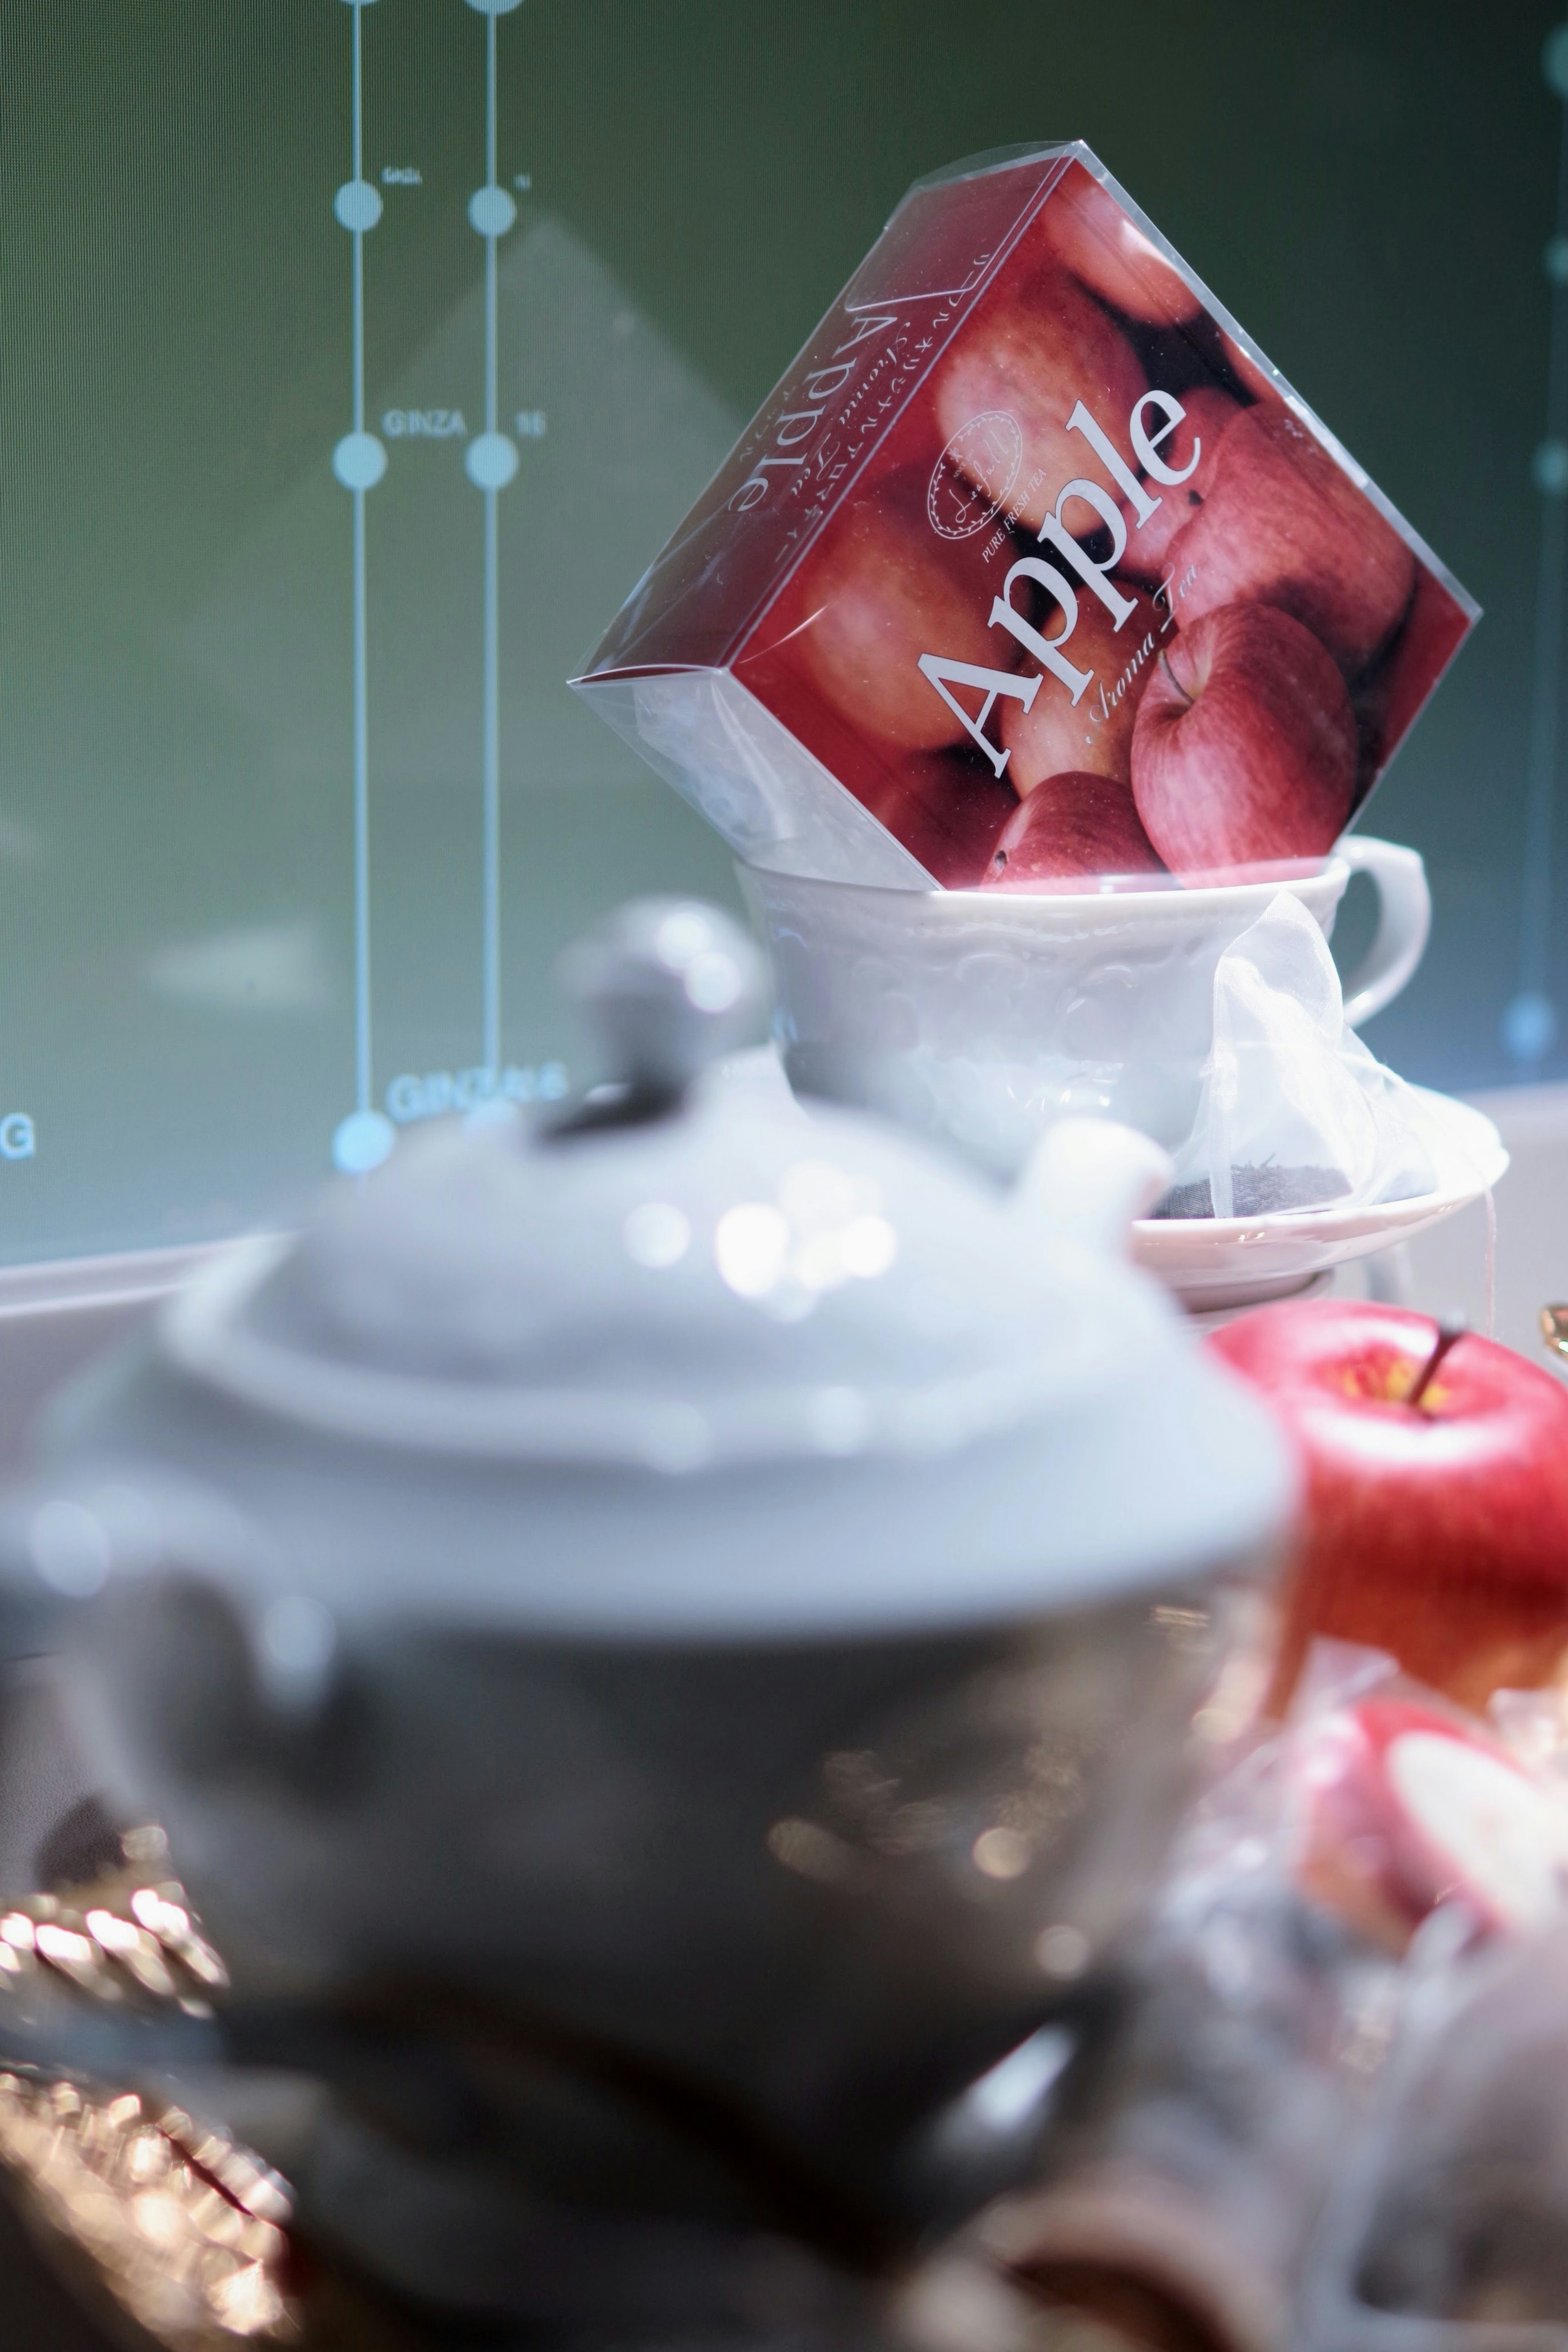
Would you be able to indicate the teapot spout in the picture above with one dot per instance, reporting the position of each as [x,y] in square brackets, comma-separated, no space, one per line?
[1089,1179]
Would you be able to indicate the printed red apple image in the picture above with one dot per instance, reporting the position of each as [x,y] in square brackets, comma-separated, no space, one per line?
[1033,358]
[1435,1524]
[1056,735]
[1013,333]
[880,590]
[1209,414]
[947,809]
[1244,747]
[1110,255]
[1256,379]
[1431,634]
[1069,833]
[1401,1804]
[1283,524]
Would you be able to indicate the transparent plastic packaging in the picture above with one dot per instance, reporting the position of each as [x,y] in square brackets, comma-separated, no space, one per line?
[1448,2230]
[1295,1113]
[1381,1844]
[1032,573]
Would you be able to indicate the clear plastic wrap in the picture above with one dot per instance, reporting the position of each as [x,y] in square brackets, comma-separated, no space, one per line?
[1448,2230]
[1376,1855]
[1296,1113]
[1447,2227]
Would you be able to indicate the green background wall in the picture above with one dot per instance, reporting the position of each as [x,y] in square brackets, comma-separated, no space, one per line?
[1369,187]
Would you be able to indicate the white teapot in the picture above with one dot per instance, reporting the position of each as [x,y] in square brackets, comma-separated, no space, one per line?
[701,1603]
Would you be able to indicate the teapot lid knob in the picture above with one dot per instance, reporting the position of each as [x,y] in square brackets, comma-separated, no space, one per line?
[670,984]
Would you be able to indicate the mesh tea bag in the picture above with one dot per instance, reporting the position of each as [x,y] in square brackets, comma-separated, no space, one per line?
[1295,1112]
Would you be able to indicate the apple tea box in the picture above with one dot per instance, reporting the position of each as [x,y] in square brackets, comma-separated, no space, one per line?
[1030,573]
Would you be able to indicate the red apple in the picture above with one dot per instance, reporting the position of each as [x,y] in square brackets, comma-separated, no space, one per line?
[879,589]
[1112,257]
[1056,735]
[1209,414]
[1285,524]
[1033,353]
[1244,747]
[1403,1805]
[1071,831]
[1436,1521]
[947,809]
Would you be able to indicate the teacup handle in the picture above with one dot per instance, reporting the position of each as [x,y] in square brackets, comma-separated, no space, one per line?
[1404,922]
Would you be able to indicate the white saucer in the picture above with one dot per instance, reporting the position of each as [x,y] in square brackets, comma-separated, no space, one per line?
[1209,1263]
[1214,1262]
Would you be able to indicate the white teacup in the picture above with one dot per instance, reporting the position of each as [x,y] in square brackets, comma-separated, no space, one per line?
[980,1016]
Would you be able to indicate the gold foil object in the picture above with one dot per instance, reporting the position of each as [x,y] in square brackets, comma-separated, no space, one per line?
[135,2188]
[129,1937]
[185,2228]
[1554,1328]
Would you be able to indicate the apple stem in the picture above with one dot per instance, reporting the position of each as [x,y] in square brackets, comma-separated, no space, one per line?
[1174,682]
[1451,1327]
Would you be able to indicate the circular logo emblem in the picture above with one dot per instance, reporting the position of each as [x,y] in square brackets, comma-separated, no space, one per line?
[973,478]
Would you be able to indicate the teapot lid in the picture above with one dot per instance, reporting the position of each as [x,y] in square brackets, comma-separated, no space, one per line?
[723,1358]
[681,1271]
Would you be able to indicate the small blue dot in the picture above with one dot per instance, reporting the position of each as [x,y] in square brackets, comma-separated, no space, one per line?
[357,204]
[361,1141]
[491,211]
[494,7]
[1529,1026]
[1549,468]
[358,461]
[490,461]
[1554,59]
